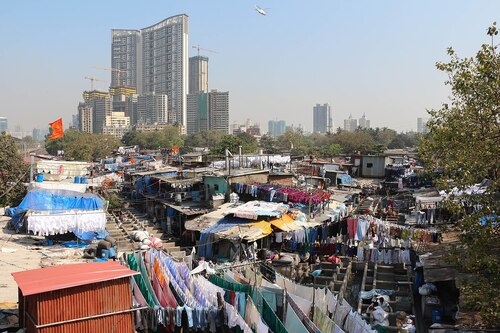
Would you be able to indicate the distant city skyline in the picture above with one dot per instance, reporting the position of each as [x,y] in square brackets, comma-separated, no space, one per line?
[258,62]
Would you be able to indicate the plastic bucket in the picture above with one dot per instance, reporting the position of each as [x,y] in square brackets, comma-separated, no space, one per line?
[77,179]
[111,252]
[83,180]
[39,178]
[104,253]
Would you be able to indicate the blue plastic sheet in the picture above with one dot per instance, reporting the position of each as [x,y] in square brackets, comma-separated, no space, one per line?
[54,201]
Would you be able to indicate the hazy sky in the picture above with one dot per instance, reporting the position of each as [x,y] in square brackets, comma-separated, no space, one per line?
[373,57]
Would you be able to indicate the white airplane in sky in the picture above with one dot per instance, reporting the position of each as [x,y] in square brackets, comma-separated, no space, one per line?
[260,10]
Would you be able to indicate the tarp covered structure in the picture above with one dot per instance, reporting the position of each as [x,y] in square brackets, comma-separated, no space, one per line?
[254,209]
[59,211]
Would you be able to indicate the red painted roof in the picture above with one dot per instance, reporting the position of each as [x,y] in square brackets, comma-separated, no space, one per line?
[42,280]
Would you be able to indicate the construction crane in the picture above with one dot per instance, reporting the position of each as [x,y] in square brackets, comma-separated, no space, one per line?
[198,47]
[116,70]
[92,79]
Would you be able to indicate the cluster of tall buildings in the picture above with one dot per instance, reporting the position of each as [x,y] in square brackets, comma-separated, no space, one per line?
[351,124]
[154,83]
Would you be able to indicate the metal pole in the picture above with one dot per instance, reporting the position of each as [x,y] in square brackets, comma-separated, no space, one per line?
[239,149]
[32,159]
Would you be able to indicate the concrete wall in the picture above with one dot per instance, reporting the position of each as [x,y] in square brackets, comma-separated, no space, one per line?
[373,166]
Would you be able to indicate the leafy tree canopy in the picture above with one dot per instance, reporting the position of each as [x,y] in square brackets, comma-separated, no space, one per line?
[167,137]
[81,146]
[232,142]
[207,139]
[13,172]
[463,142]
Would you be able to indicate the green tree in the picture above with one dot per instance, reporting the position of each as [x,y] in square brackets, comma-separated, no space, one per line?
[332,150]
[268,144]
[81,146]
[232,142]
[13,172]
[207,139]
[167,137]
[293,141]
[463,143]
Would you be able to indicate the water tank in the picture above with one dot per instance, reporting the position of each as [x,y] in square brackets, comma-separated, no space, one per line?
[77,179]
[39,178]
[83,180]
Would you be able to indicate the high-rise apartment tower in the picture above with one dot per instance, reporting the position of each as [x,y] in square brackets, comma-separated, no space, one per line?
[155,60]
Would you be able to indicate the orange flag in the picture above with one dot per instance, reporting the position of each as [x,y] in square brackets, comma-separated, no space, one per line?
[57,129]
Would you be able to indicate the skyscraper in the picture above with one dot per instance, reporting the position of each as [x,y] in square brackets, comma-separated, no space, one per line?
[218,109]
[276,127]
[100,102]
[198,74]
[85,119]
[363,122]
[126,55]
[152,109]
[322,118]
[197,112]
[350,124]
[422,125]
[3,124]
[155,60]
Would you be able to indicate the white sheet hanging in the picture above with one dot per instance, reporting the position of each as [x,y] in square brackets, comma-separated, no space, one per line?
[45,224]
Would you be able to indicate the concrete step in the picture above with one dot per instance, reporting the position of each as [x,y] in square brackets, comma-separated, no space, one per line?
[178,254]
[171,249]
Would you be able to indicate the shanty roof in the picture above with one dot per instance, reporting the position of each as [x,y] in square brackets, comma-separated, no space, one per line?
[285,223]
[178,181]
[43,280]
[209,219]
[254,209]
[156,172]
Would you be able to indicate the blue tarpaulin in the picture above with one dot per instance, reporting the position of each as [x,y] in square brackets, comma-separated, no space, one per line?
[54,201]
[344,179]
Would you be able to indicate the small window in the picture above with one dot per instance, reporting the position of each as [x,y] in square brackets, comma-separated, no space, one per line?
[216,187]
[369,165]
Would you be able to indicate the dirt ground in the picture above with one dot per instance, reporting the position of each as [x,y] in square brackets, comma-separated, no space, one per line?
[19,252]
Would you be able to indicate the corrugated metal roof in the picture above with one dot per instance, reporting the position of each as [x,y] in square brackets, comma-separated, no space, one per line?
[42,280]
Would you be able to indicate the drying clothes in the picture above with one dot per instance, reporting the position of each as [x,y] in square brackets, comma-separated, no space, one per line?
[388,256]
[303,304]
[302,316]
[269,317]
[304,292]
[361,230]
[337,329]
[320,299]
[178,315]
[360,254]
[235,319]
[292,322]
[331,301]
[228,285]
[352,225]
[253,318]
[44,224]
[322,321]
[279,237]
